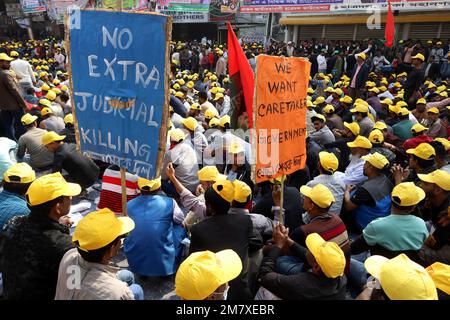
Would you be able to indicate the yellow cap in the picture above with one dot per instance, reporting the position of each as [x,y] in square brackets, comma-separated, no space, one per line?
[179,94]
[181,82]
[361,55]
[329,89]
[376,136]
[353,127]
[5,57]
[224,120]
[444,94]
[210,174]
[50,187]
[176,86]
[190,123]
[424,151]
[382,88]
[45,111]
[319,117]
[440,273]
[190,84]
[387,101]
[50,137]
[407,194]
[28,119]
[433,110]
[360,108]
[56,90]
[149,185]
[418,128]
[56,81]
[43,74]
[403,74]
[328,255]
[444,142]
[19,173]
[380,125]
[177,135]
[328,161]
[375,90]
[211,113]
[235,147]
[242,191]
[45,102]
[338,91]
[196,106]
[51,95]
[203,272]
[401,278]
[68,119]
[64,88]
[218,96]
[419,56]
[319,194]
[377,160]
[13,54]
[431,85]
[328,108]
[99,228]
[346,99]
[360,142]
[214,122]
[310,91]
[421,101]
[403,112]
[319,100]
[45,87]
[439,177]
[225,189]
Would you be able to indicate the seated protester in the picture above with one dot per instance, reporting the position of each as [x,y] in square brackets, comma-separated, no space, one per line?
[50,122]
[384,109]
[349,134]
[98,237]
[420,112]
[195,111]
[312,155]
[400,232]
[373,100]
[30,97]
[8,149]
[441,146]
[16,181]
[52,96]
[324,281]
[366,124]
[333,120]
[402,129]
[400,279]
[435,127]
[222,104]
[80,169]
[195,137]
[31,247]
[175,117]
[214,233]
[328,164]
[343,110]
[310,112]
[371,199]
[376,137]
[31,142]
[292,208]
[205,275]
[322,134]
[391,141]
[421,160]
[184,158]
[111,192]
[419,133]
[154,247]
[69,130]
[354,172]
[237,167]
[329,226]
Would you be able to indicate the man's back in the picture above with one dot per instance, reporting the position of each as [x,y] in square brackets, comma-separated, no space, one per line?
[185,163]
[403,129]
[31,142]
[31,249]
[366,126]
[12,205]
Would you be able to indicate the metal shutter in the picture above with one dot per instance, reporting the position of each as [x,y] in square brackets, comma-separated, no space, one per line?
[445,32]
[423,31]
[309,32]
[364,33]
[339,32]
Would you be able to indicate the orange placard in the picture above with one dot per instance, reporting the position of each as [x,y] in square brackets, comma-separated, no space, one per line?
[280,115]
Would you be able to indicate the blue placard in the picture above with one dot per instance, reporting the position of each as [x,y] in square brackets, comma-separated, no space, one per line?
[118,63]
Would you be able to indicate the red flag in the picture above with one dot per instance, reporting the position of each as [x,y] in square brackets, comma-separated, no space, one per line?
[240,71]
[390,29]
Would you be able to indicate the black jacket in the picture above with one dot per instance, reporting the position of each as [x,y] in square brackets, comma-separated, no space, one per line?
[31,248]
[361,77]
[226,231]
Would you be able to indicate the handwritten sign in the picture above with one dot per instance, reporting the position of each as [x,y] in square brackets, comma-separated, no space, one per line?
[280,115]
[119,77]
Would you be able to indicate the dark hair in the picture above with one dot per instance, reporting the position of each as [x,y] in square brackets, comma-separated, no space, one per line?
[424,163]
[203,95]
[396,200]
[439,148]
[30,91]
[217,203]
[364,114]
[406,117]
[64,97]
[17,188]
[323,170]
[96,256]
[46,207]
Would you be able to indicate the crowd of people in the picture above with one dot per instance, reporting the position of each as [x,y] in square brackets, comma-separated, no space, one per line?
[373,201]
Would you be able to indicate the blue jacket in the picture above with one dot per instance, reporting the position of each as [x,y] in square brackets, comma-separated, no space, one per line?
[154,247]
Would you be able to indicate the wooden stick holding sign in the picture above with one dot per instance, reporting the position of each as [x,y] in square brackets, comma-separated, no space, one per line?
[123,184]
[280,213]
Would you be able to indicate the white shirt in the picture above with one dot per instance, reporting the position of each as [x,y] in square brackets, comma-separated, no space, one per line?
[60,58]
[354,172]
[322,62]
[176,57]
[224,109]
[23,71]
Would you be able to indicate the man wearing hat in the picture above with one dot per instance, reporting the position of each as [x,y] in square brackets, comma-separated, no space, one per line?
[354,171]
[214,233]
[205,275]
[415,78]
[222,104]
[371,199]
[97,237]
[50,121]
[23,71]
[322,134]
[31,143]
[400,231]
[195,137]
[69,130]
[421,160]
[325,279]
[402,129]
[436,129]
[420,112]
[80,168]
[361,112]
[333,120]
[12,105]
[376,137]
[16,181]
[441,146]
[419,133]
[350,132]
[154,247]
[32,246]
[358,76]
